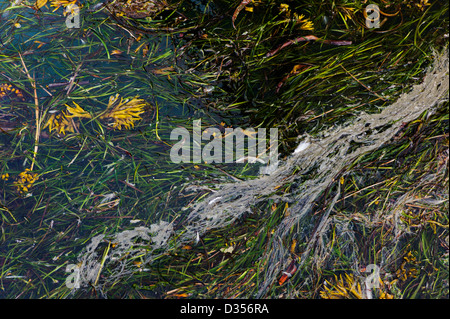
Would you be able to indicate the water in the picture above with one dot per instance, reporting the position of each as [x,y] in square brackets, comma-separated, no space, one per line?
[99,169]
[232,200]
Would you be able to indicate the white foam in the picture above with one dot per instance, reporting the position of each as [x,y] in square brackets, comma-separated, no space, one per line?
[301,147]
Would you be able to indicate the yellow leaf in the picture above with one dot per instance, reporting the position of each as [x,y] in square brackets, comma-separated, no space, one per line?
[163,71]
[40,43]
[145,50]
[286,211]
[77,111]
[139,47]
[307,26]
[40,3]
[284,7]
[293,245]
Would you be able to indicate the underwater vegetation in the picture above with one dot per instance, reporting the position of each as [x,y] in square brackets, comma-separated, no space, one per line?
[87,185]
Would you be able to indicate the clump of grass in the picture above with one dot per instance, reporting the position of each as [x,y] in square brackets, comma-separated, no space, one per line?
[373,222]
[370,224]
[309,85]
